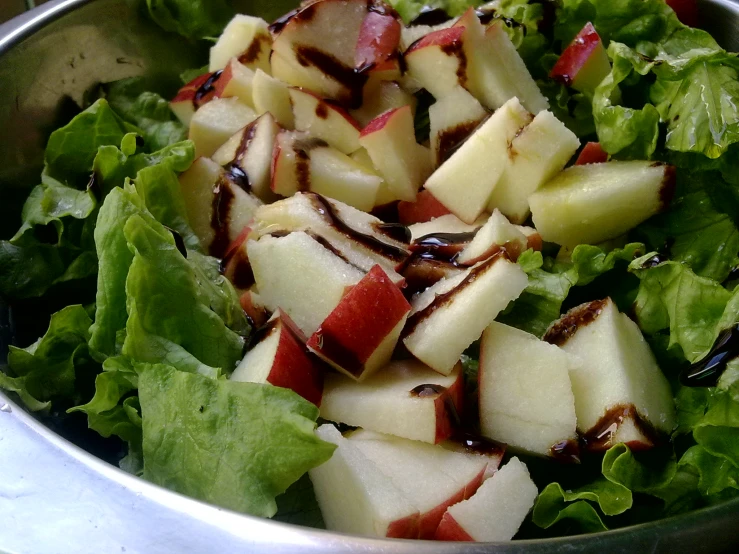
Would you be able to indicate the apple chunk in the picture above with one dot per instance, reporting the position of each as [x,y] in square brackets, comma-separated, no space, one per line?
[279,357]
[497,233]
[620,392]
[448,223]
[380,97]
[592,153]
[390,140]
[526,398]
[466,180]
[588,204]
[453,313]
[216,122]
[453,118]
[437,61]
[424,209]
[301,276]
[359,335]
[406,399]
[584,63]
[237,81]
[496,511]
[194,94]
[325,121]
[536,155]
[338,176]
[246,38]
[217,209]
[273,96]
[356,497]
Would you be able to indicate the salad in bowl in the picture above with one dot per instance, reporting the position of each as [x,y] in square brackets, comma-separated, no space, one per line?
[447,271]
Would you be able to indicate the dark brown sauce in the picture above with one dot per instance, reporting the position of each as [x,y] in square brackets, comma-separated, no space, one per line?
[321,111]
[325,208]
[206,88]
[443,247]
[600,437]
[255,48]
[235,169]
[456,49]
[263,332]
[430,16]
[179,242]
[706,372]
[423,269]
[387,212]
[565,327]
[331,248]
[301,13]
[239,270]
[396,231]
[351,78]
[566,451]
[443,299]
[220,218]
[667,191]
[302,169]
[476,444]
[427,390]
[450,140]
[485,15]
[654,261]
[378,6]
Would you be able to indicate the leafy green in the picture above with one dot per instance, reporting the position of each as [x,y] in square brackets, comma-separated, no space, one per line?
[238,445]
[409,9]
[194,19]
[298,505]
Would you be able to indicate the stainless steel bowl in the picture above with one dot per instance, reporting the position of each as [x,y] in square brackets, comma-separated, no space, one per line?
[58,498]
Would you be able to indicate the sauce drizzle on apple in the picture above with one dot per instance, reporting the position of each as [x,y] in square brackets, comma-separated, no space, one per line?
[223,198]
[600,437]
[205,89]
[565,327]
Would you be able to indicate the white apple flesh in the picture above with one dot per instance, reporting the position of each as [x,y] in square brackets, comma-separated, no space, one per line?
[246,38]
[217,121]
[273,96]
[453,119]
[324,121]
[497,233]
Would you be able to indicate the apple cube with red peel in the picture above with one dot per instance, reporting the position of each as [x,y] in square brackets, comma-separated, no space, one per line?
[497,233]
[424,209]
[380,97]
[254,308]
[358,237]
[300,275]
[592,153]
[533,238]
[588,204]
[438,61]
[217,121]
[465,181]
[279,357]
[356,497]
[449,223]
[584,63]
[496,510]
[217,209]
[537,154]
[390,140]
[359,336]
[193,95]
[236,81]
[250,150]
[453,118]
[620,392]
[337,176]
[405,399]
[526,398]
[325,121]
[452,314]
[291,162]
[246,38]
[236,266]
[273,96]
[413,33]
[379,37]
[431,477]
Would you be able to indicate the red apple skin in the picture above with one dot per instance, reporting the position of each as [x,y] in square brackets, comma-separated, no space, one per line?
[378,123]
[331,107]
[441,37]
[406,528]
[445,419]
[576,55]
[378,39]
[367,314]
[189,91]
[237,242]
[425,208]
[535,242]
[450,530]
[431,520]
[686,11]
[294,367]
[593,153]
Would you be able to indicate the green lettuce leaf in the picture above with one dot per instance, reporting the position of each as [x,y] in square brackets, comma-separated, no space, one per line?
[237,445]
[193,19]
[298,505]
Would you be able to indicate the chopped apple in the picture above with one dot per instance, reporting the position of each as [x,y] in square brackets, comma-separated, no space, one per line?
[452,314]
[390,140]
[584,63]
[620,392]
[254,308]
[431,477]
[246,38]
[337,176]
[380,97]
[236,81]
[248,155]
[497,233]
[449,223]
[379,37]
[217,121]
[453,118]
[592,153]
[291,162]
[588,204]
[533,238]
[424,209]
[325,121]
[406,399]
[279,357]
[273,96]
[217,209]
[356,497]
[422,270]
[298,274]
[359,336]
[415,32]
[194,94]
[537,154]
[466,180]
[496,510]
[526,398]
[438,61]
[358,237]
[496,73]
[236,266]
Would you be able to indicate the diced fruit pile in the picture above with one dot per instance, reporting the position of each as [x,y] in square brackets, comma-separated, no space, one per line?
[305,132]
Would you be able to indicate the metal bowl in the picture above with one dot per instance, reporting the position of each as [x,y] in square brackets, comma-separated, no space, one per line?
[56,497]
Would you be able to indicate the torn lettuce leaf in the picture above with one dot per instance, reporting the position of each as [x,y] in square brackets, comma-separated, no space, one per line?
[237,445]
[193,19]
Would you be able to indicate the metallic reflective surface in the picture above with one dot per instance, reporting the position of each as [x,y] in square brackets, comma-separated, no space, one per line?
[57,498]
